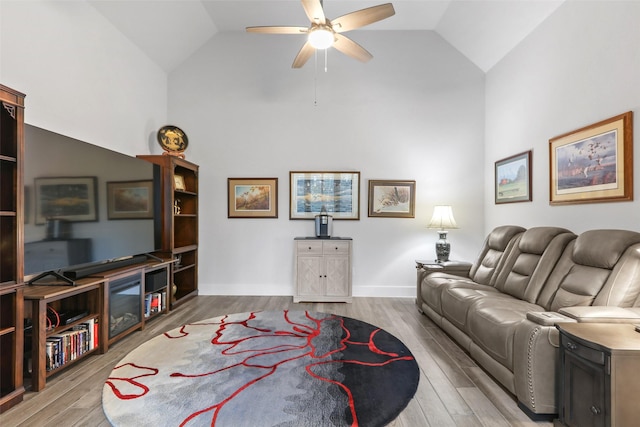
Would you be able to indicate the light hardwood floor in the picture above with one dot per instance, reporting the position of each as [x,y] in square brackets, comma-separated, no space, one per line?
[453,390]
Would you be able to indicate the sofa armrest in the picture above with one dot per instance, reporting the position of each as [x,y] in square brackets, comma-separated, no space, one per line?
[548,318]
[535,366]
[601,314]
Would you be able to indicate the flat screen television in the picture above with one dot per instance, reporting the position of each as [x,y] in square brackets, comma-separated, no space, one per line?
[86,207]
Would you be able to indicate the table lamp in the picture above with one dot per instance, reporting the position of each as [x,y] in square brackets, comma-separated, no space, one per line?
[442,219]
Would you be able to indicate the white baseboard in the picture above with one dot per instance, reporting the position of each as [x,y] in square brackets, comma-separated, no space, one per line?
[274,289]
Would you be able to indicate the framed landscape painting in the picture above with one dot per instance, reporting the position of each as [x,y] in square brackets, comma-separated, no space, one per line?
[593,164]
[337,192]
[513,179]
[67,198]
[392,199]
[130,200]
[252,197]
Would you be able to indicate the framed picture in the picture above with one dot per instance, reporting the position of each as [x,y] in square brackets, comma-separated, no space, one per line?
[130,200]
[392,199]
[69,198]
[252,197]
[178,182]
[512,179]
[593,164]
[337,192]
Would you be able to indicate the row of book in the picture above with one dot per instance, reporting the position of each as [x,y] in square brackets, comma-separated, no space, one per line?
[154,303]
[71,344]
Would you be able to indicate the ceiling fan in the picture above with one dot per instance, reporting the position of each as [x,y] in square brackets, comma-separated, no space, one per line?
[324,33]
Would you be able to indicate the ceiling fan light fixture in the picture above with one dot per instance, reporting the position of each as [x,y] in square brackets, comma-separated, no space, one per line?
[321,38]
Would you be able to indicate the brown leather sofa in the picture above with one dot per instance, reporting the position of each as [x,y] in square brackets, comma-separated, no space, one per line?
[504,311]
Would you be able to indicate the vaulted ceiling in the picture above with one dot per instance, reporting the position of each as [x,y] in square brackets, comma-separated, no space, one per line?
[169,31]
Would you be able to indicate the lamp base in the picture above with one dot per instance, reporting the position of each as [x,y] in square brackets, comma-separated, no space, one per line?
[443,248]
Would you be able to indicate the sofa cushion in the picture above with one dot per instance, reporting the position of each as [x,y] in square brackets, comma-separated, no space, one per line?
[492,323]
[603,268]
[497,244]
[603,248]
[530,265]
[500,241]
[457,301]
[433,285]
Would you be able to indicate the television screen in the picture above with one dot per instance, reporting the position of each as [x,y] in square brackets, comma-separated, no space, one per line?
[85,204]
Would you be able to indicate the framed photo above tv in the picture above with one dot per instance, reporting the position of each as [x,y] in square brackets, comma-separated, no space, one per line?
[252,197]
[337,192]
[130,200]
[67,198]
[593,164]
[392,199]
[513,179]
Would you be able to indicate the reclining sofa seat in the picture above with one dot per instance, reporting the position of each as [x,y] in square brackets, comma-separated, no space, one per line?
[482,273]
[597,279]
[484,322]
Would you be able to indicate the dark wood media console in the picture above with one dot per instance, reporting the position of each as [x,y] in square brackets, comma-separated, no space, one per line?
[69,323]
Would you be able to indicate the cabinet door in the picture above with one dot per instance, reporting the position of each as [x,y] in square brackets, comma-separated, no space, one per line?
[310,275]
[584,392]
[337,275]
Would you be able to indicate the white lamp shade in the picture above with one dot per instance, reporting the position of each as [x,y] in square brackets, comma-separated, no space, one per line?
[442,218]
[321,38]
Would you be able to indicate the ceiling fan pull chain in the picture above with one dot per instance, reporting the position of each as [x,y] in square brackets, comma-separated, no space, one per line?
[325,60]
[315,80]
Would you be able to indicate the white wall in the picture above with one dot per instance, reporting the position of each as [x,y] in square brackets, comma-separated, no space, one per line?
[82,77]
[416,111]
[579,67]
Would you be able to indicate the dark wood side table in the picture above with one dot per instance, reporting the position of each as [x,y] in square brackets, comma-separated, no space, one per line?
[424,267]
[599,375]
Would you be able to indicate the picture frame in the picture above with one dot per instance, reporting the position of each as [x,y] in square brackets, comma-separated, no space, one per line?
[71,199]
[252,198]
[130,200]
[392,198]
[593,164]
[178,183]
[337,192]
[512,179]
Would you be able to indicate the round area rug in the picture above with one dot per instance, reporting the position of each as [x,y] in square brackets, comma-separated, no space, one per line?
[276,368]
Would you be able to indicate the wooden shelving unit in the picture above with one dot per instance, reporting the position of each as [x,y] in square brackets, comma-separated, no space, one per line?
[180,222]
[11,246]
[84,301]
[88,302]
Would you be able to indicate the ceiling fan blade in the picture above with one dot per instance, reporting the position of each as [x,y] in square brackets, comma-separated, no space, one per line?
[350,48]
[314,11]
[303,56]
[362,17]
[278,30]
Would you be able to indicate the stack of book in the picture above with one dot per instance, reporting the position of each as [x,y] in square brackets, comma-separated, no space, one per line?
[154,303]
[71,344]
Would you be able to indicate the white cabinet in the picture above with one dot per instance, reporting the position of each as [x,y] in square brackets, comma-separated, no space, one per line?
[322,269]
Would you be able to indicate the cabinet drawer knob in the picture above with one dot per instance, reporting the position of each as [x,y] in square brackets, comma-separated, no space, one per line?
[309,247]
[595,410]
[572,346]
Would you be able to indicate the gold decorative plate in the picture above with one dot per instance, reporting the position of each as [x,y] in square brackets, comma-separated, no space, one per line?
[173,140]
